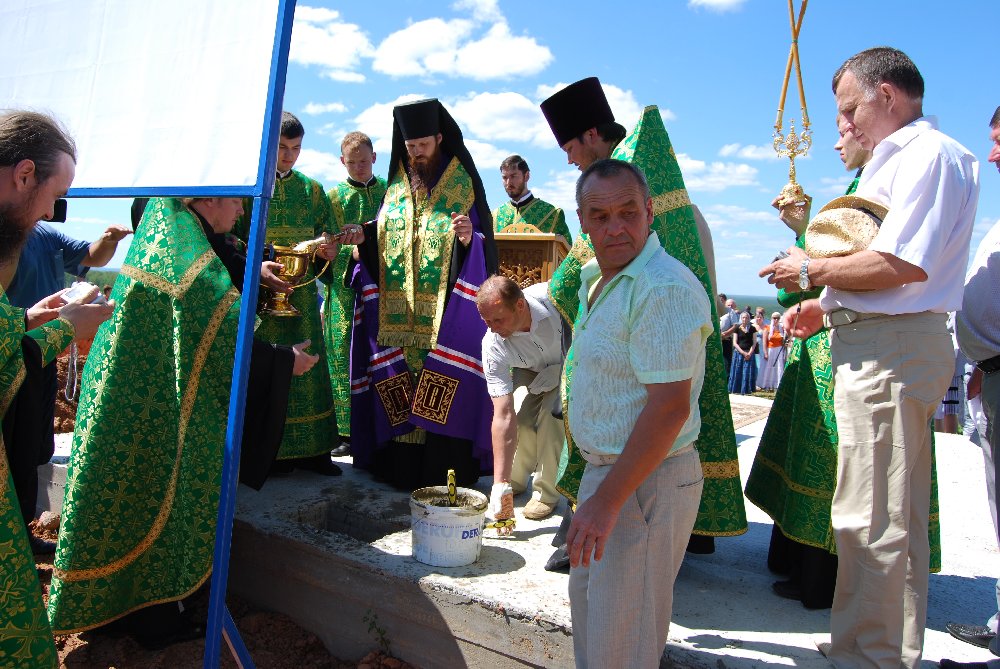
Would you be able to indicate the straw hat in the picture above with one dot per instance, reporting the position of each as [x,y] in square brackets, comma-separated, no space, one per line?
[845,225]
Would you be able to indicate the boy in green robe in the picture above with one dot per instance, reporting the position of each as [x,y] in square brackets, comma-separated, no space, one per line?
[300,211]
[355,201]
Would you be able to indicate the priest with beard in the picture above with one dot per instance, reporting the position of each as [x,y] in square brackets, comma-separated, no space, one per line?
[419,401]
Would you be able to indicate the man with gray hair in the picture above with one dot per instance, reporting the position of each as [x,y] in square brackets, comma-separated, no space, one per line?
[523,347]
[639,346]
[887,307]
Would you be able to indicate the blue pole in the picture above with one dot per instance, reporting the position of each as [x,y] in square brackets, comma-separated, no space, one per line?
[217,611]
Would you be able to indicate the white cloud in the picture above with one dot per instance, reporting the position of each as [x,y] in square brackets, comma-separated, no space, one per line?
[559,188]
[321,38]
[719,215]
[832,186]
[749,152]
[741,256]
[376,122]
[716,5]
[481,10]
[316,108]
[438,47]
[715,176]
[485,155]
[322,166]
[503,117]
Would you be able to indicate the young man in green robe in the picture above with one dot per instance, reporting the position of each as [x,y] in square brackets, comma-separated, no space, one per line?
[355,201]
[37,165]
[584,127]
[300,211]
[523,206]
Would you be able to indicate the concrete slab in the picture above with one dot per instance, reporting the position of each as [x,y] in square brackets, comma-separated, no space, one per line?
[334,554]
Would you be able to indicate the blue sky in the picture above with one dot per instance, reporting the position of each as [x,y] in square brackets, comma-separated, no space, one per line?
[714,67]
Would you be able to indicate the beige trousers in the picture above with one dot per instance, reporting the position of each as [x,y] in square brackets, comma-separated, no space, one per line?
[540,439]
[890,373]
[621,606]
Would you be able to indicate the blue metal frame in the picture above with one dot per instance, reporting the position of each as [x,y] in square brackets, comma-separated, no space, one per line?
[174,191]
[218,614]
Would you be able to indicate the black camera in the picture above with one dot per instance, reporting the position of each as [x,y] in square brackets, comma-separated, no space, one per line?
[58,211]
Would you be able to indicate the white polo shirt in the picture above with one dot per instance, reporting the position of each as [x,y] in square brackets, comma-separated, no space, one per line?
[534,350]
[930,183]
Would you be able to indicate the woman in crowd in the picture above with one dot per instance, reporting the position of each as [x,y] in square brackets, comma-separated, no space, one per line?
[743,371]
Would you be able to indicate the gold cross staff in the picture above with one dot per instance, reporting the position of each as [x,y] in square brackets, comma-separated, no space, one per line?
[792,144]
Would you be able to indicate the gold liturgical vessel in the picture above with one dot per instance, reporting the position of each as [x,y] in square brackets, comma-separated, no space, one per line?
[295,261]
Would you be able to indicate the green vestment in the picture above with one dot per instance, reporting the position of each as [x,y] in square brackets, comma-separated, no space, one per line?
[142,488]
[539,213]
[25,635]
[722,512]
[352,204]
[794,471]
[415,245]
[300,211]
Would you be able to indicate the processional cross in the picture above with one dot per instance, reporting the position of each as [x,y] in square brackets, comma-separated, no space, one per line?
[793,144]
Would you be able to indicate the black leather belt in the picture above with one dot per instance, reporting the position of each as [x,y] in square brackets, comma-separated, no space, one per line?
[989,366]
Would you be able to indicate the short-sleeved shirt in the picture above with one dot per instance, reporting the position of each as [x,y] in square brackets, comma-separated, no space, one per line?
[47,255]
[649,325]
[930,183]
[534,350]
[978,324]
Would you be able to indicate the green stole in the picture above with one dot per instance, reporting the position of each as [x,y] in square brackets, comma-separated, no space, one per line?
[722,512]
[351,205]
[300,210]
[539,213]
[25,635]
[794,471]
[142,488]
[415,246]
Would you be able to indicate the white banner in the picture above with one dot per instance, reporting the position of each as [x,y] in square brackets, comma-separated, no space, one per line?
[156,93]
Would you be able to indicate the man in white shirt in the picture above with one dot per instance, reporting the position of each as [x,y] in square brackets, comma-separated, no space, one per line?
[728,322]
[978,330]
[523,347]
[892,355]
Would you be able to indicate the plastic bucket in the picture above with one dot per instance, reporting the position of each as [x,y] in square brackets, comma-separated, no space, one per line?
[447,536]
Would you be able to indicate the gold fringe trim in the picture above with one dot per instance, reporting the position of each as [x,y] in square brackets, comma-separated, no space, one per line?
[728,469]
[418,436]
[144,605]
[159,283]
[404,339]
[187,408]
[669,201]
[309,419]
[796,487]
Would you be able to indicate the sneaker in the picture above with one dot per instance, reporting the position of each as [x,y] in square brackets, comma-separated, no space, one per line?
[536,509]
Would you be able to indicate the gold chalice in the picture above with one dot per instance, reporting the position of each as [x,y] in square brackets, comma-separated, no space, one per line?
[294,262]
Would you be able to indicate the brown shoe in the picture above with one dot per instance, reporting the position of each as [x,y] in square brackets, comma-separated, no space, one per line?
[536,509]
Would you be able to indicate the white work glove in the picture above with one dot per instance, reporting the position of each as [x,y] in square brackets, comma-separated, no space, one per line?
[545,380]
[500,491]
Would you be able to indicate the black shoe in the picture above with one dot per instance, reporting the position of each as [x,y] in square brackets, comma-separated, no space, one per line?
[40,546]
[701,545]
[558,561]
[158,640]
[949,664]
[977,635]
[787,589]
[343,450]
[321,464]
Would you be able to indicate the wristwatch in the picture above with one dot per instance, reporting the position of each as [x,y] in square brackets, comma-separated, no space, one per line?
[804,275]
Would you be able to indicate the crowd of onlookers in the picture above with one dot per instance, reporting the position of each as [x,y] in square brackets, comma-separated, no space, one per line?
[754,346]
